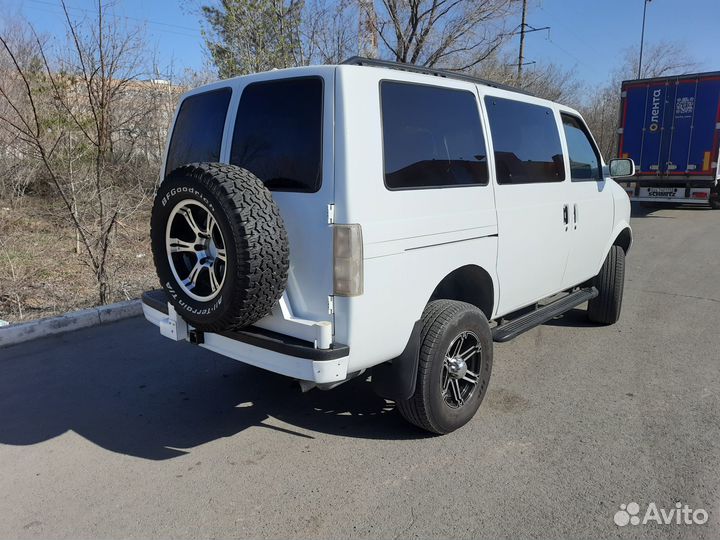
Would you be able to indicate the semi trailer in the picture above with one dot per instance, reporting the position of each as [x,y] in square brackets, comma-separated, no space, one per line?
[670,127]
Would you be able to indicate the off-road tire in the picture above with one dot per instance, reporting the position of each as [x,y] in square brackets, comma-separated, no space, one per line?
[255,238]
[605,307]
[442,322]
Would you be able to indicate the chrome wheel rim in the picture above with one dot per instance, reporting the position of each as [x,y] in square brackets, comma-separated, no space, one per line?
[196,250]
[461,369]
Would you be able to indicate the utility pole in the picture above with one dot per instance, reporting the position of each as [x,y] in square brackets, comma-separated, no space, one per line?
[642,37]
[522,29]
[521,56]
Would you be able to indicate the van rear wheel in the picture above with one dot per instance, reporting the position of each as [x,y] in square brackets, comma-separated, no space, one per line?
[454,368]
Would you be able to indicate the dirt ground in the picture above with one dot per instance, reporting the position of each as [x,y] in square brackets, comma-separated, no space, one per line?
[40,273]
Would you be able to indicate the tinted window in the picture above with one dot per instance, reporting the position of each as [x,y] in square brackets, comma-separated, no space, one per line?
[431,137]
[584,161]
[198,131]
[526,142]
[278,133]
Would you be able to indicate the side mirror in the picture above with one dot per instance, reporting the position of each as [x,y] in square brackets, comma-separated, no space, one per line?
[622,168]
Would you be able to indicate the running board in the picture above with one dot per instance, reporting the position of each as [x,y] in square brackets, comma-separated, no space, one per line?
[512,329]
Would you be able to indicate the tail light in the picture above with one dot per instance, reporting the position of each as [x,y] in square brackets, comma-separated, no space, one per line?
[347,260]
[699,195]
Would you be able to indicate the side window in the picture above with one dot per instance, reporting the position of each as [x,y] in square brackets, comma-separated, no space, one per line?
[432,137]
[584,160]
[198,131]
[526,142]
[278,133]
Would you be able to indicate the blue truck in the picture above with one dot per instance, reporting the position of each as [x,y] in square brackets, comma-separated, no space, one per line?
[670,127]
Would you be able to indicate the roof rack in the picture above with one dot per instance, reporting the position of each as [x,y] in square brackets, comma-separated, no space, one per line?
[361,61]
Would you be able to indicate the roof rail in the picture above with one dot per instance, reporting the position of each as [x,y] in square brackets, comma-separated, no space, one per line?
[361,61]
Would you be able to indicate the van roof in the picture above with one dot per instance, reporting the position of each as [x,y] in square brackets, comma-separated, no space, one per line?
[373,63]
[361,61]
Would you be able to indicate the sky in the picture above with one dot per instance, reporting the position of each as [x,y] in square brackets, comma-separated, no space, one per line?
[586,36]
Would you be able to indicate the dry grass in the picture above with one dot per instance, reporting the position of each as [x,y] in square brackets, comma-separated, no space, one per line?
[40,273]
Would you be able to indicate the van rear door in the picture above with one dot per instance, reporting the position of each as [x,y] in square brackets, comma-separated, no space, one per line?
[281,129]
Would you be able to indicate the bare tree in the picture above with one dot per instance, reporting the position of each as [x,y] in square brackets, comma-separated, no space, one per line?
[68,114]
[601,113]
[328,31]
[545,80]
[659,59]
[18,168]
[456,33]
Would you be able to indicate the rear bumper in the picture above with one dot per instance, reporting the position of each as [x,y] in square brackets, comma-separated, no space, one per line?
[259,347]
[677,193]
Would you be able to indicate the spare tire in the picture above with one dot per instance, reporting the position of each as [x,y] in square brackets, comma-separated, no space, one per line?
[219,245]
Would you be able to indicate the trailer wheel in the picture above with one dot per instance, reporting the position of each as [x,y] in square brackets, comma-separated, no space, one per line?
[714,198]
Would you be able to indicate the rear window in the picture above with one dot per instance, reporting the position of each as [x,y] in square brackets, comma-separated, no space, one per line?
[432,137]
[198,131]
[278,133]
[526,142]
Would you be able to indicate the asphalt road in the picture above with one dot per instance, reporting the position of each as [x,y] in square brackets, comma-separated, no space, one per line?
[118,432]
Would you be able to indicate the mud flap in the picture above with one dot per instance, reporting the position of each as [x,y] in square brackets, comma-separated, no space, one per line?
[396,379]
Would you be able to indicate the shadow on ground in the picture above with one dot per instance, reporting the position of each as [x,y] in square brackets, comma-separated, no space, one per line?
[131,391]
[126,389]
[575,318]
[649,210]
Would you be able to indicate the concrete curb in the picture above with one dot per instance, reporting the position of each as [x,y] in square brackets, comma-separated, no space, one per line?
[19,333]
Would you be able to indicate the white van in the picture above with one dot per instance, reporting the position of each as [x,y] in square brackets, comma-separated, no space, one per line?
[381,219]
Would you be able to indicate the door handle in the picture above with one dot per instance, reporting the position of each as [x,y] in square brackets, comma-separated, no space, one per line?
[566,216]
[575,215]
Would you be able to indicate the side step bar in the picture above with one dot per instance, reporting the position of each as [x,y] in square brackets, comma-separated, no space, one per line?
[511,329]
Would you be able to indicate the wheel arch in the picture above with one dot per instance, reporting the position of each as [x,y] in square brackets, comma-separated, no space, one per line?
[469,283]
[624,239]
[621,236]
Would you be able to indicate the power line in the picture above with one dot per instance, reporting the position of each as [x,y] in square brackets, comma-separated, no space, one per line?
[586,42]
[127,17]
[571,55]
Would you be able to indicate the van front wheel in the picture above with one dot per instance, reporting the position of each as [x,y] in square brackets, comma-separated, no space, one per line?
[454,367]
[605,307]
